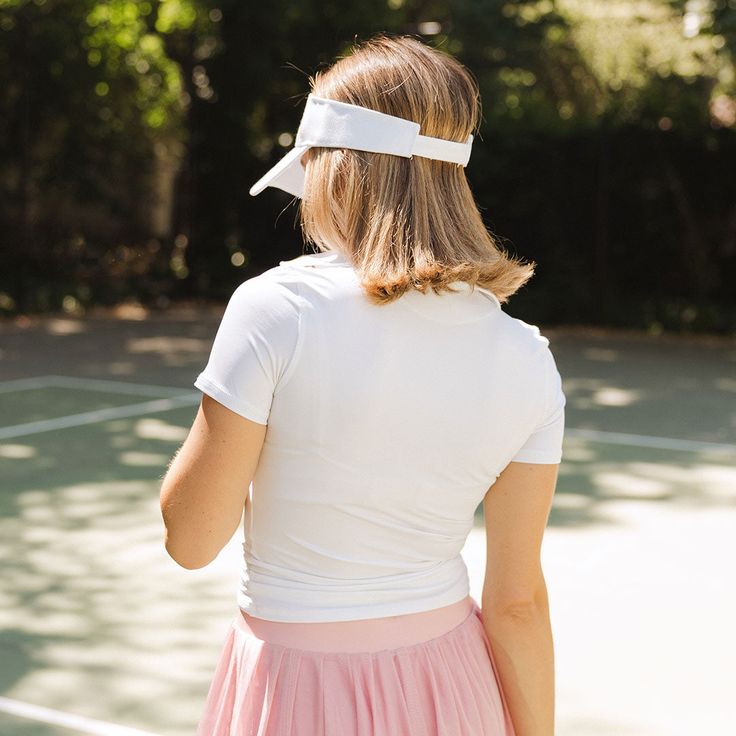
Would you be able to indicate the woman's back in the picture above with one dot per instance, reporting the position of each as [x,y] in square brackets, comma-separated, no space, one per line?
[382,390]
[386,427]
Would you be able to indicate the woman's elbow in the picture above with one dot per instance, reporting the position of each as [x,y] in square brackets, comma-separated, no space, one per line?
[185,556]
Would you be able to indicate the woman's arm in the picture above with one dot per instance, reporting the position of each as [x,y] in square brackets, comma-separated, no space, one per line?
[205,489]
[515,607]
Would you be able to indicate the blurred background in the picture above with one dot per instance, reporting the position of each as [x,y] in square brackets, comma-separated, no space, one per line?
[130,133]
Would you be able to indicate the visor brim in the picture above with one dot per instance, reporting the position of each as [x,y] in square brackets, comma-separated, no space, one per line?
[287,174]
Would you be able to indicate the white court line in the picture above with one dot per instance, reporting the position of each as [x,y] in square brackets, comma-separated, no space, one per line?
[66,720]
[141,389]
[645,440]
[120,387]
[24,384]
[99,415]
[87,384]
[176,402]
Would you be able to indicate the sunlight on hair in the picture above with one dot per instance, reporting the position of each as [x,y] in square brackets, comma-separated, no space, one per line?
[405,223]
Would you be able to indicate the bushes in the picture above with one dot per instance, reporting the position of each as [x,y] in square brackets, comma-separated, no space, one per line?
[131,131]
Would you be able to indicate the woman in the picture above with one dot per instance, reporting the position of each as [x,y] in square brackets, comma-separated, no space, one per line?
[361,402]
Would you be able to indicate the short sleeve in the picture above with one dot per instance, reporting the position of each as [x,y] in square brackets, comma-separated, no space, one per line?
[544,444]
[254,348]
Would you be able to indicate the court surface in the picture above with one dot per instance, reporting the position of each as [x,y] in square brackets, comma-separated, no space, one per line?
[101,633]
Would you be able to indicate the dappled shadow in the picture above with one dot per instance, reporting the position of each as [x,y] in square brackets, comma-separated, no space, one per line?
[97,620]
[594,477]
[662,386]
[640,385]
[163,349]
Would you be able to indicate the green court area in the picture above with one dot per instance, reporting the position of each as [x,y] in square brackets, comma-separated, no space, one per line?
[101,633]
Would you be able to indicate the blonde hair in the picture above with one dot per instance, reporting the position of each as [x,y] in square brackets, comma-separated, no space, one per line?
[404,223]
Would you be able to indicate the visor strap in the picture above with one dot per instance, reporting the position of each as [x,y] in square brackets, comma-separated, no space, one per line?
[443,150]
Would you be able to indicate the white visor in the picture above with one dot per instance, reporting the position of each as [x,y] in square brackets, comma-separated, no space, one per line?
[331,124]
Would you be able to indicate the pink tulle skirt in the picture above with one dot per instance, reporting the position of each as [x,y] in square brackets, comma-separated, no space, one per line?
[423,674]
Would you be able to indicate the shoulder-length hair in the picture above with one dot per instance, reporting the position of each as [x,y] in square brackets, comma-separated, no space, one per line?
[404,223]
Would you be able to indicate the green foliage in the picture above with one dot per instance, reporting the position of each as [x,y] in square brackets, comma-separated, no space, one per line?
[131,131]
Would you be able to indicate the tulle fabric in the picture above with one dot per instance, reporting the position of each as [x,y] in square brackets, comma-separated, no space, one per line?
[444,686]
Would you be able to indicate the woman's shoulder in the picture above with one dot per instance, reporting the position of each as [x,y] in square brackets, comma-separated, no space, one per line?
[303,269]
[270,294]
[288,287]
[522,341]
[323,259]
[526,332]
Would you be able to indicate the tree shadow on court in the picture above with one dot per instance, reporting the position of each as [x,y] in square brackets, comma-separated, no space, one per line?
[163,349]
[100,622]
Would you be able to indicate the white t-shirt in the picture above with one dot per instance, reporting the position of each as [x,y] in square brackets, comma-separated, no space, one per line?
[386,427]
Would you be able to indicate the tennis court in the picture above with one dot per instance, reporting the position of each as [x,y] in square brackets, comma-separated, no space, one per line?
[103,634]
